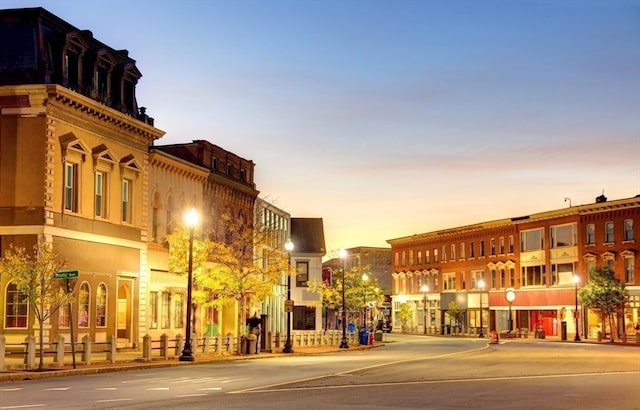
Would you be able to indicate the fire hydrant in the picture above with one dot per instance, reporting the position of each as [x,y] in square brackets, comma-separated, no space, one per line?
[370,338]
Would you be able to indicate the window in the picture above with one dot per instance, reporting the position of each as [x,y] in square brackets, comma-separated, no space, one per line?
[501,246]
[100,199]
[444,253]
[435,282]
[472,250]
[492,246]
[476,277]
[512,277]
[302,273]
[153,309]
[304,318]
[419,257]
[154,224]
[101,305]
[494,279]
[453,252]
[17,307]
[591,234]
[449,281]
[503,277]
[411,257]
[608,232]
[64,318]
[435,255]
[531,240]
[71,187]
[462,251]
[426,256]
[511,244]
[83,305]
[563,235]
[629,266]
[482,249]
[169,216]
[562,273]
[178,310]
[533,275]
[126,200]
[628,230]
[165,309]
[397,259]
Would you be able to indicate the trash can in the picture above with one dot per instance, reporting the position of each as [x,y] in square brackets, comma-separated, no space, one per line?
[448,329]
[563,330]
[364,336]
[377,336]
[250,344]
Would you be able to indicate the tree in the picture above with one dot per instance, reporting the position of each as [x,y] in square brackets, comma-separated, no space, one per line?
[33,273]
[605,294]
[247,263]
[358,291]
[455,312]
[404,315]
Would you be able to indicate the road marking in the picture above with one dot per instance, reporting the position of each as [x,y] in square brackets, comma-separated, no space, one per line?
[24,406]
[192,395]
[12,389]
[111,400]
[346,372]
[425,382]
[211,388]
[157,379]
[58,389]
[157,389]
[107,388]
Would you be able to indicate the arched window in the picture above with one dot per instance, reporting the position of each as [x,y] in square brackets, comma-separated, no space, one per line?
[83,305]
[101,306]
[16,308]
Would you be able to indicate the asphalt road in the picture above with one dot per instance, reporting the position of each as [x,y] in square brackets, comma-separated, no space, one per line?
[410,372]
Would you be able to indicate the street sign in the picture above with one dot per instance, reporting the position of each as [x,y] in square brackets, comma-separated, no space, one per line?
[288,305]
[66,274]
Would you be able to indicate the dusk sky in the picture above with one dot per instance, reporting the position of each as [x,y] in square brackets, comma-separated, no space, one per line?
[389,118]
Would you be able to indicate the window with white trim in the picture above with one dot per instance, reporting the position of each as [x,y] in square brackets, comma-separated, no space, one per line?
[628,230]
[71,186]
[629,268]
[165,310]
[608,232]
[531,240]
[127,190]
[562,273]
[178,310]
[100,194]
[101,305]
[16,308]
[591,234]
[563,235]
[449,281]
[533,275]
[83,305]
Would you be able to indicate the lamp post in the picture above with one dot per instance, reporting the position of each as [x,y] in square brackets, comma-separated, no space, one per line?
[288,346]
[365,278]
[576,280]
[511,296]
[344,344]
[481,287]
[424,288]
[190,219]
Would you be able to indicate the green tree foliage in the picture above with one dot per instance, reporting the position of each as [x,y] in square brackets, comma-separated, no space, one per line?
[405,315]
[357,291]
[605,294]
[33,273]
[455,312]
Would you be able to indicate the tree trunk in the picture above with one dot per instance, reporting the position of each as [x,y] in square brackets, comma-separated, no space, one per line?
[41,353]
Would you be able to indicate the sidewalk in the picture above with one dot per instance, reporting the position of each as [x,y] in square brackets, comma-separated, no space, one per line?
[133,361]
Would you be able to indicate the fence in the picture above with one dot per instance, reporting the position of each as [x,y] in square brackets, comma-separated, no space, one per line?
[60,353]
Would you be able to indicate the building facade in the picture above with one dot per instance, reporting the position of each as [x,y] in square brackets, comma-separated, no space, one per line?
[470,268]
[74,173]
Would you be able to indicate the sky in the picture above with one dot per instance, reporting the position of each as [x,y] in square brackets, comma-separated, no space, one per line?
[390,118]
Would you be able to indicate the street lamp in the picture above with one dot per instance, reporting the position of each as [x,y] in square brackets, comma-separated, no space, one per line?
[511,296]
[344,344]
[288,346]
[424,288]
[481,287]
[576,280]
[190,220]
[365,278]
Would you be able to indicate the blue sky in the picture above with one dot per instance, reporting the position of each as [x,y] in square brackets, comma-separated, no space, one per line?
[389,118]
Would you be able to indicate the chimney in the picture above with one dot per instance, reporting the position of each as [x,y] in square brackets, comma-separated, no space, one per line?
[600,199]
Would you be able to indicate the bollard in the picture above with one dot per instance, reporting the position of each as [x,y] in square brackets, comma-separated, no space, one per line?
[3,349]
[86,352]
[493,337]
[30,356]
[113,348]
[164,346]
[146,347]
[59,360]
[179,343]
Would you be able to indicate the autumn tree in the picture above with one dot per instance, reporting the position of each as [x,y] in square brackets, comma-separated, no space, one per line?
[178,263]
[358,290]
[246,265]
[33,273]
[605,294]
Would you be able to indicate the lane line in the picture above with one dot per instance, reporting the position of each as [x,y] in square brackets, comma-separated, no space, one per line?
[373,366]
[192,395]
[448,381]
[58,389]
[111,400]
[12,389]
[24,406]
